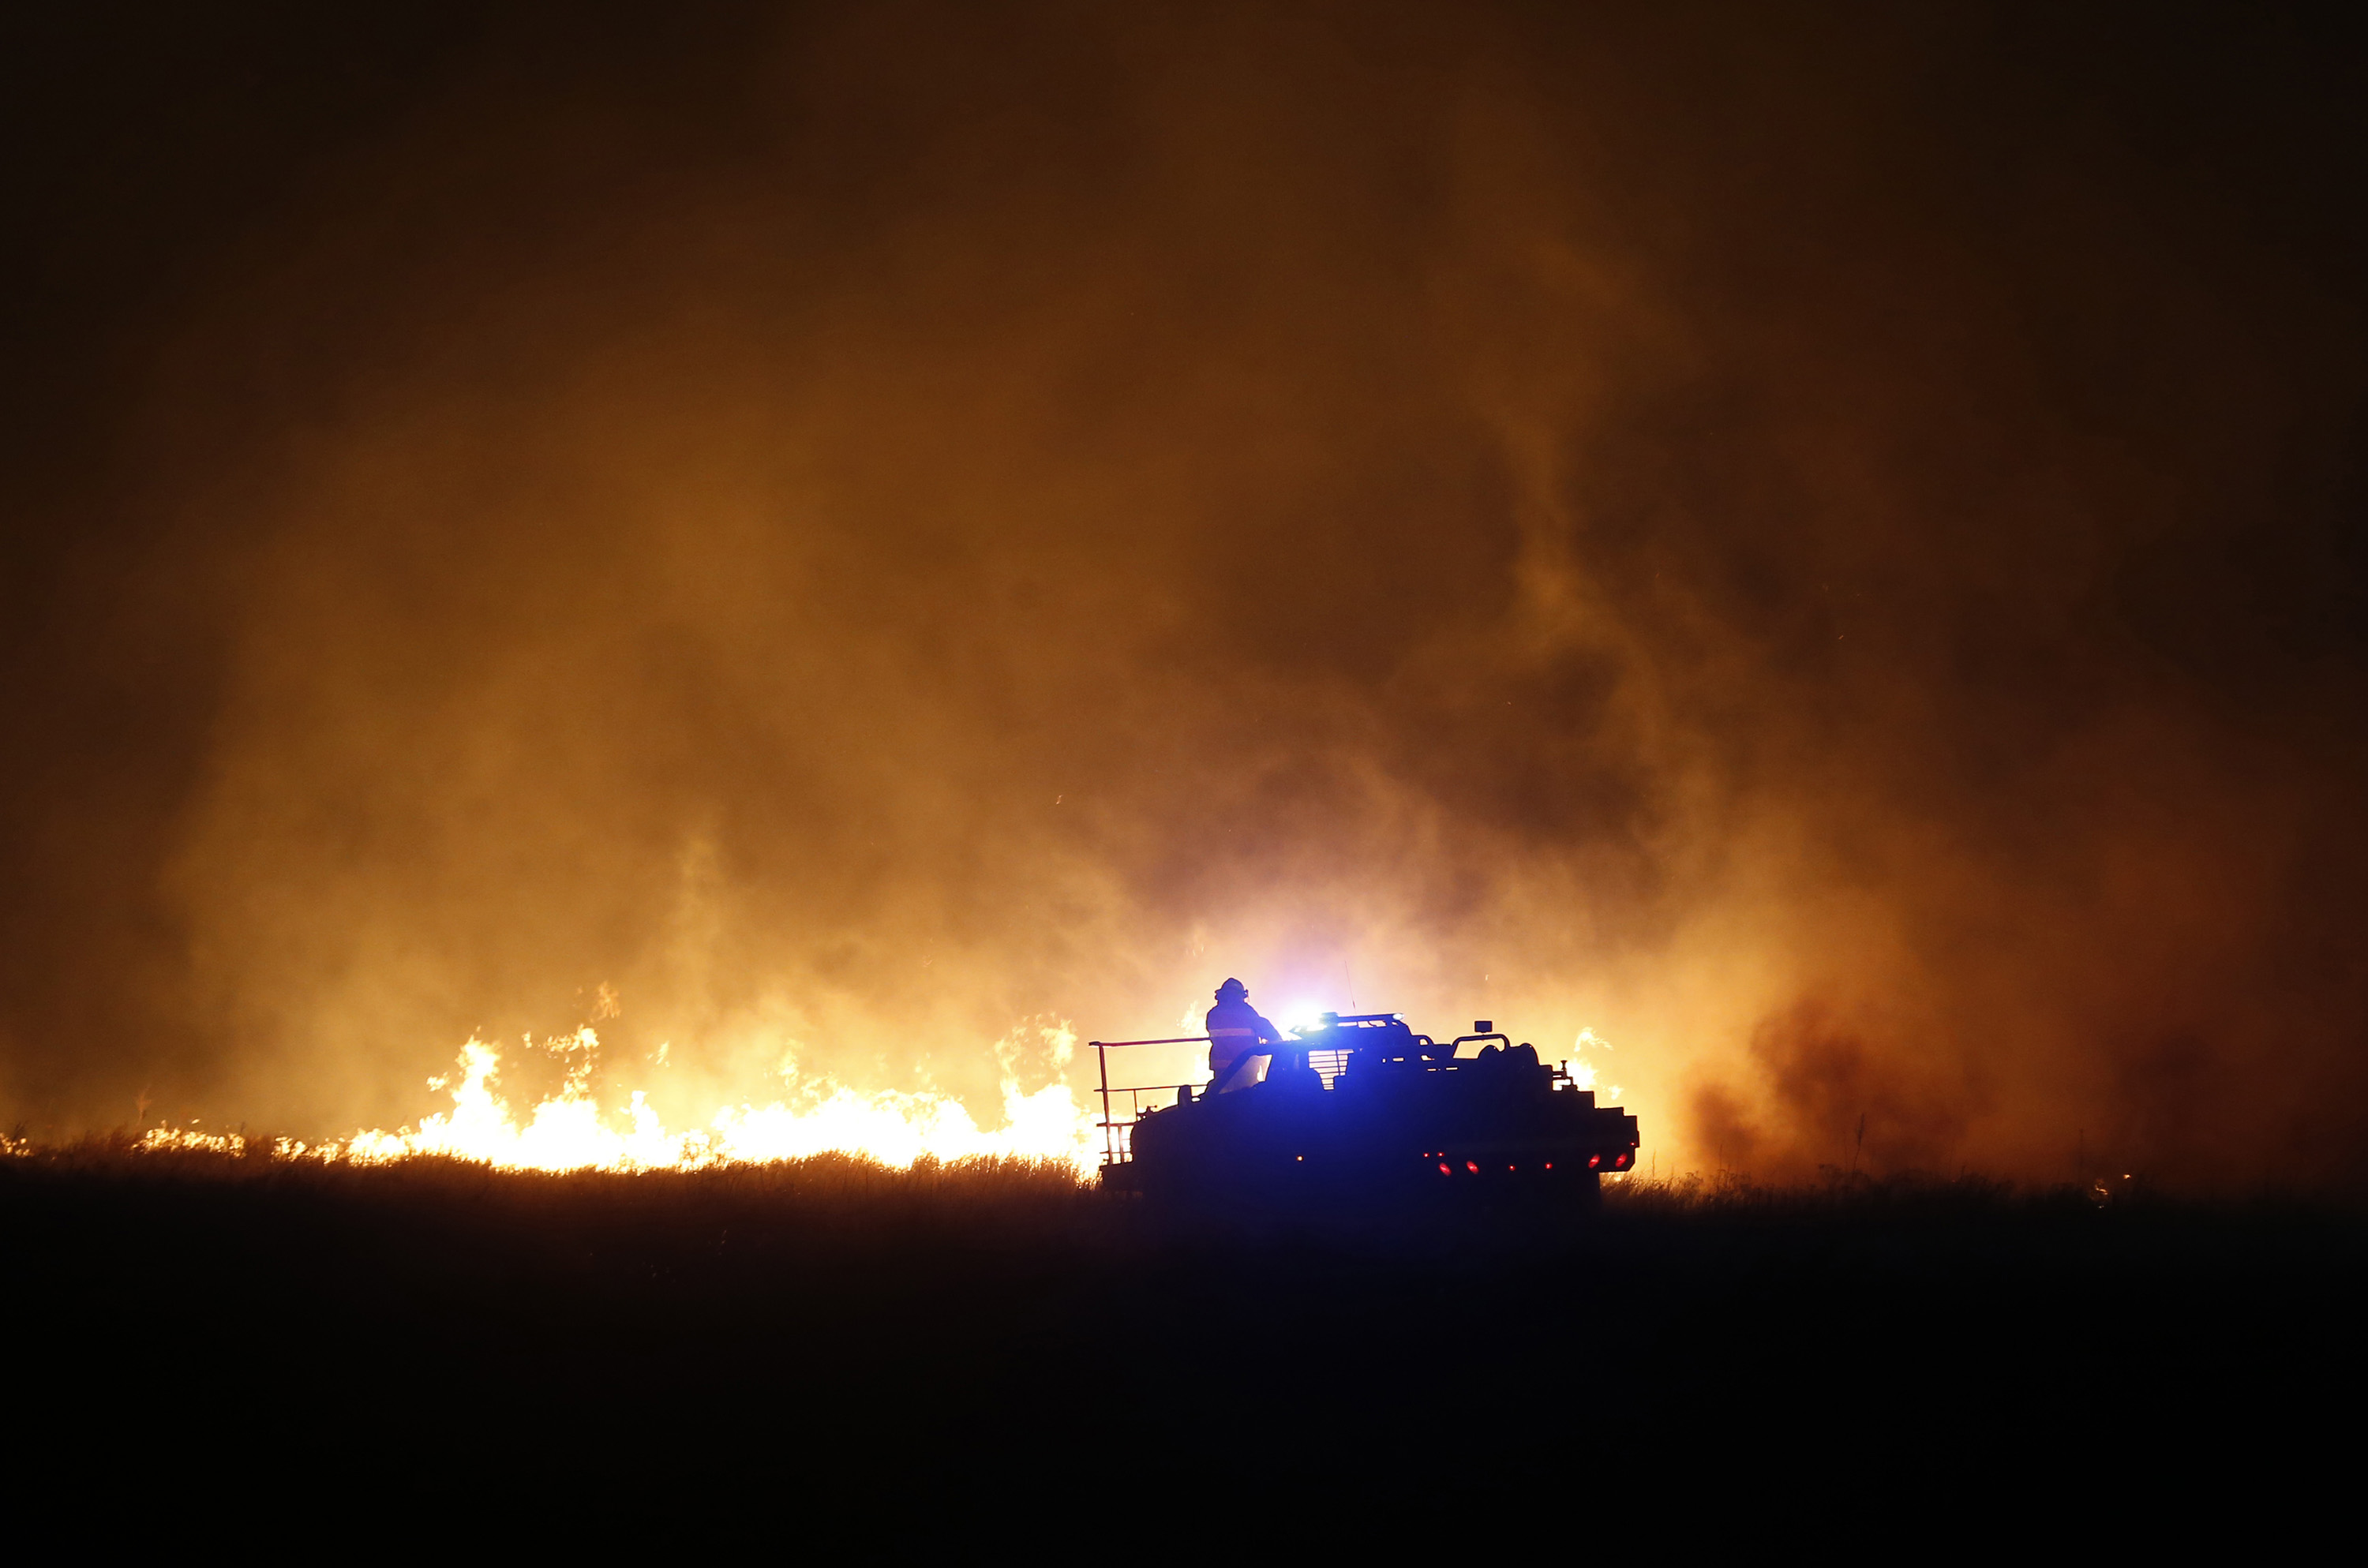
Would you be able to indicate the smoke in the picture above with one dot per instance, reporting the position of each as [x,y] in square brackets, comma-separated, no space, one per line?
[1822,548]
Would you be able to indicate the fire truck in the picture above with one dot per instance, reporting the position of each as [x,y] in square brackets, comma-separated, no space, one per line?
[1358,1110]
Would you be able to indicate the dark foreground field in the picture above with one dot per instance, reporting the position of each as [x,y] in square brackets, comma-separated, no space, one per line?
[831,1338]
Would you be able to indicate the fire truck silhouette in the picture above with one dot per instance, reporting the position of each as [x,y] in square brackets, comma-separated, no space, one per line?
[1359,1109]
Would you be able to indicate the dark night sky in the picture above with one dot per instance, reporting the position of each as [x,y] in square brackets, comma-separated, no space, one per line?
[1820,542]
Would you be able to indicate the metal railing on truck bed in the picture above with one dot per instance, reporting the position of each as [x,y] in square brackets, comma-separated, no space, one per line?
[1117,1135]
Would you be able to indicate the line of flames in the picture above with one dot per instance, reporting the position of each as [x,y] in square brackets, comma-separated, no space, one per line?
[571,1131]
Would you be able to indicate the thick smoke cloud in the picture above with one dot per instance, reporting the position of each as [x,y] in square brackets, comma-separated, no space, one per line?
[1822,546]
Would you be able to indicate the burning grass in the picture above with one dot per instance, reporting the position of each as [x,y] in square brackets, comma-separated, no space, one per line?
[812,1184]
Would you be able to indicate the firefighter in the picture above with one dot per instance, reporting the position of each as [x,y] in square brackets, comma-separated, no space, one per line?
[1236,1030]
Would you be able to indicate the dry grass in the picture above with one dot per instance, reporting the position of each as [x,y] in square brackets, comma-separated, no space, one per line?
[995,1318]
[823,1181]
[990,1190]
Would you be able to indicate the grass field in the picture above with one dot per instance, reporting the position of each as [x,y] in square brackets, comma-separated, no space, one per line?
[827,1324]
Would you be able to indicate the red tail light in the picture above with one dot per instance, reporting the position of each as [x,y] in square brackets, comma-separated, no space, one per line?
[1593,1161]
[1472,1169]
[1445,1169]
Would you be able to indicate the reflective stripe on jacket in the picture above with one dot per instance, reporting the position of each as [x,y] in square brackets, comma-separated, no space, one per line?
[1237,1029]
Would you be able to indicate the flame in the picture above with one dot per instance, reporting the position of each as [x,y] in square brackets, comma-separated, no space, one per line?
[203,1142]
[572,1131]
[1581,1073]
